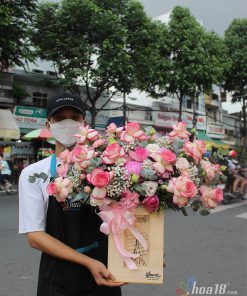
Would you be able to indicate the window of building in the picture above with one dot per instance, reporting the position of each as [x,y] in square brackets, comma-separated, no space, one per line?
[40,100]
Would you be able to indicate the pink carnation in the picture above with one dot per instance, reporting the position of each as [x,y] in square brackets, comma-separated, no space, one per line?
[129,200]
[133,167]
[139,154]
[151,203]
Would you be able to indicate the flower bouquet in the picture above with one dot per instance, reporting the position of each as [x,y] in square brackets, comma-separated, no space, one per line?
[130,168]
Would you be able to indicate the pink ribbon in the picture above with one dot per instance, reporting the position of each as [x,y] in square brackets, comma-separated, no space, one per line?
[116,219]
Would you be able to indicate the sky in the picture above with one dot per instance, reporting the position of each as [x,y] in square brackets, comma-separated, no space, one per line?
[215,15]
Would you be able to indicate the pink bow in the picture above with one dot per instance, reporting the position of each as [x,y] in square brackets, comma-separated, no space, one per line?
[116,219]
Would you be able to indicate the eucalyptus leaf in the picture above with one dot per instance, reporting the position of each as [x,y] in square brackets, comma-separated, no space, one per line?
[149,174]
[79,196]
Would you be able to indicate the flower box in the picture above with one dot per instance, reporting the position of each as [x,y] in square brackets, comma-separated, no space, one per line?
[149,263]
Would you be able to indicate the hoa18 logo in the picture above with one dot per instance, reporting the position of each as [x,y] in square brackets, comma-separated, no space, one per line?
[192,288]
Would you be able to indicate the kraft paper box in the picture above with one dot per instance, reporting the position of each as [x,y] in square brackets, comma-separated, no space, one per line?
[149,263]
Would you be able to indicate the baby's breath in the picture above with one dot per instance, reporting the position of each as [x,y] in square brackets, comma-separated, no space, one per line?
[120,183]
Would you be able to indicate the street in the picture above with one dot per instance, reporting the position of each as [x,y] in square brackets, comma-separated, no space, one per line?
[212,250]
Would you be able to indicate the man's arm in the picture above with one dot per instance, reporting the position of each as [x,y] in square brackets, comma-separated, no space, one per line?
[46,243]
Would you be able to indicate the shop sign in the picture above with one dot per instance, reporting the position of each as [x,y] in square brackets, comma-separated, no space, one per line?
[169,117]
[201,120]
[30,117]
[22,150]
[215,130]
[166,117]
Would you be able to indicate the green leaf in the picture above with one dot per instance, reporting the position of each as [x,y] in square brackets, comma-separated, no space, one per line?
[204,212]
[196,205]
[183,209]
[79,196]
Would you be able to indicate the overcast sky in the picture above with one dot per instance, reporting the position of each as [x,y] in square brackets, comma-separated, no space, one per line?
[215,14]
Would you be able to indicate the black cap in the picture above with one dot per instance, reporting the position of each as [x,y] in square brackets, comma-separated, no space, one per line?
[64,100]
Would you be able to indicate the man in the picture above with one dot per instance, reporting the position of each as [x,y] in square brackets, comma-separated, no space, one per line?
[74,251]
[5,173]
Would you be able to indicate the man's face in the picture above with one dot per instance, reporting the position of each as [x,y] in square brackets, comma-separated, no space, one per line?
[65,113]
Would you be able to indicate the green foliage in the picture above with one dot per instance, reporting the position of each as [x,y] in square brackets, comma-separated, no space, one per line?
[236,43]
[194,59]
[102,45]
[15,24]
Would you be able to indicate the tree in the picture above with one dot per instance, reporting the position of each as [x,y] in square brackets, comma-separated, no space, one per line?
[236,74]
[91,45]
[15,22]
[195,58]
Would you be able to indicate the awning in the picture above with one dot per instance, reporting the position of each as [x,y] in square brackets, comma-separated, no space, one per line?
[213,142]
[8,127]
[119,121]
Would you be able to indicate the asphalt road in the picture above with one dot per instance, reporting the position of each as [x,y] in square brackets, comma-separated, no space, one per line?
[212,250]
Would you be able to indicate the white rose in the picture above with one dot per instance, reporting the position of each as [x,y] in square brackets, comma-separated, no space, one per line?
[152,148]
[150,187]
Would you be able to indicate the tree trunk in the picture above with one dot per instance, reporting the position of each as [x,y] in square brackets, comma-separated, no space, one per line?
[93,116]
[194,120]
[180,108]
[124,109]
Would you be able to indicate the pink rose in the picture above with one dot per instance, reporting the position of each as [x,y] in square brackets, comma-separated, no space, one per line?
[113,153]
[179,132]
[52,188]
[86,134]
[81,156]
[164,160]
[151,203]
[133,167]
[113,129]
[61,188]
[99,143]
[100,179]
[182,164]
[210,169]
[132,132]
[195,149]
[183,189]
[62,169]
[65,156]
[211,196]
[129,200]
[140,154]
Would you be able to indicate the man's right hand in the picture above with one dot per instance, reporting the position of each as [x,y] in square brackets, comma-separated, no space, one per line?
[102,275]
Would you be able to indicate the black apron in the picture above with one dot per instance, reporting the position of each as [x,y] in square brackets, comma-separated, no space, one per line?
[77,226]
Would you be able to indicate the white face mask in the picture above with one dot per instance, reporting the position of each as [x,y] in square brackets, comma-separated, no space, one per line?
[64,131]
